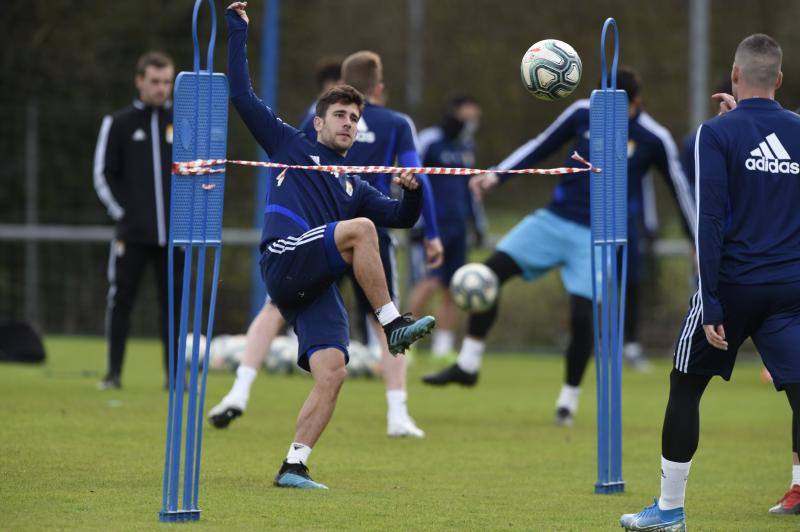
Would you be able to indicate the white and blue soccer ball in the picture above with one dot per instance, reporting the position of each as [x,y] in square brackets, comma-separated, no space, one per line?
[282,359]
[551,69]
[227,351]
[365,361]
[474,287]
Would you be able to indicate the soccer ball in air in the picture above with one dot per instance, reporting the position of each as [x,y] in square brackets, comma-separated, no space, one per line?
[551,69]
[474,287]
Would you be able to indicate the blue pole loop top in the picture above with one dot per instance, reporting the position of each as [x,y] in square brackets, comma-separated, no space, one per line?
[603,73]
[196,41]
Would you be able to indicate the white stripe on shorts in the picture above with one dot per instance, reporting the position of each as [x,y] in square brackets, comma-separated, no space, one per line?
[291,242]
[684,347]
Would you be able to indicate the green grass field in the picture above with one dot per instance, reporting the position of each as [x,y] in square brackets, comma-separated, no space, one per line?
[75,458]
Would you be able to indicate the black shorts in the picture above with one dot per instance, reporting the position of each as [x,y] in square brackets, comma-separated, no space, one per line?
[769,314]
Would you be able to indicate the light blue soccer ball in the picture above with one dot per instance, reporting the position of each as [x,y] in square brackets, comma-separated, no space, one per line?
[474,287]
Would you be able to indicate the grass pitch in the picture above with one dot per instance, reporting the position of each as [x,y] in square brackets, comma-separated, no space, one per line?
[75,458]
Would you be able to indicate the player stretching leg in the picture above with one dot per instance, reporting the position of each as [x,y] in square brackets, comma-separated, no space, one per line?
[748,248]
[316,225]
[558,236]
[384,137]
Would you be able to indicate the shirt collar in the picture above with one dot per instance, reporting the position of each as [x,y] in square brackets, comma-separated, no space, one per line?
[758,103]
[329,154]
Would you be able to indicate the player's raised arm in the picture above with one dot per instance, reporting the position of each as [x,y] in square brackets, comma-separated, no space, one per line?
[268,130]
[561,131]
[712,199]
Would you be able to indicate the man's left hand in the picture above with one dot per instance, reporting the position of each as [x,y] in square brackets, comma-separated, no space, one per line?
[434,252]
[407,180]
[715,334]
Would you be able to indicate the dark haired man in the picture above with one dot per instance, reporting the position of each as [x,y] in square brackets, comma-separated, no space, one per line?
[132,180]
[748,250]
[316,225]
[558,236]
[383,137]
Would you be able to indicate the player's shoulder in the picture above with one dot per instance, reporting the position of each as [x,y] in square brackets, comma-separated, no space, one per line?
[578,107]
[429,137]
[134,109]
[650,127]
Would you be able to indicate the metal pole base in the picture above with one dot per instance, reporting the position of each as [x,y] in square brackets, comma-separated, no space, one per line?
[178,516]
[609,487]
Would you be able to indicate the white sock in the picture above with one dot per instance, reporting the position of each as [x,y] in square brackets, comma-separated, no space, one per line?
[673,483]
[443,341]
[795,474]
[396,399]
[298,453]
[245,376]
[387,313]
[469,359]
[568,397]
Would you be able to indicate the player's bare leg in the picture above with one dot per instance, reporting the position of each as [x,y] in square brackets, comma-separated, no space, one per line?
[446,315]
[260,334]
[328,371]
[357,242]
[399,422]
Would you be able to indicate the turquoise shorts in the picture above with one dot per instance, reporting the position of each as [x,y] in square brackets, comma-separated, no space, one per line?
[543,241]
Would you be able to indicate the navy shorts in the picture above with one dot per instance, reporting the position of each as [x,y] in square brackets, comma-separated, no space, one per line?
[386,246]
[769,314]
[300,273]
[455,256]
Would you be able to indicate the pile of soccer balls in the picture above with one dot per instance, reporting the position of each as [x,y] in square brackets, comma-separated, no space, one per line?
[226,352]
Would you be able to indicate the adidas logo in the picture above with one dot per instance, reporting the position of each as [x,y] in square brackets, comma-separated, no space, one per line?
[139,135]
[363,134]
[772,157]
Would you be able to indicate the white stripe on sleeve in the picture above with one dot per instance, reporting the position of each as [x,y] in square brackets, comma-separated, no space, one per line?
[115,210]
[676,174]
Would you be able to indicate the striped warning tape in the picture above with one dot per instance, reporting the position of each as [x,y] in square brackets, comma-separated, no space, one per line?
[209,166]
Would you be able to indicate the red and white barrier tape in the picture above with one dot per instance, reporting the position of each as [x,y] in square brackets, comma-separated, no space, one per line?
[206,166]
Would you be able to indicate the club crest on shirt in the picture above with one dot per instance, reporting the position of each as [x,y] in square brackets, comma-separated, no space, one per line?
[631,148]
[168,134]
[348,187]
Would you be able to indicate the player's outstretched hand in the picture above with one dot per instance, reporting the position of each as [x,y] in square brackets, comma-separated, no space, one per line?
[726,102]
[481,183]
[240,7]
[715,334]
[434,252]
[406,180]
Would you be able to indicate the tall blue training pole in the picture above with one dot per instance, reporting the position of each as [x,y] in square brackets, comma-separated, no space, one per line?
[608,126]
[269,93]
[200,132]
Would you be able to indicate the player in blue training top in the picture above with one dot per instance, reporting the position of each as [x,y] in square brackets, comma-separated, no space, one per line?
[747,166]
[449,145]
[383,137]
[328,73]
[559,235]
[316,226]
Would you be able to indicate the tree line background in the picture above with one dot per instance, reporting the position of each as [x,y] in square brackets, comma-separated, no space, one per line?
[74,61]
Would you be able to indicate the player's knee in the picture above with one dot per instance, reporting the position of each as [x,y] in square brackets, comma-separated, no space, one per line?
[332,378]
[364,228]
[503,266]
[581,312]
